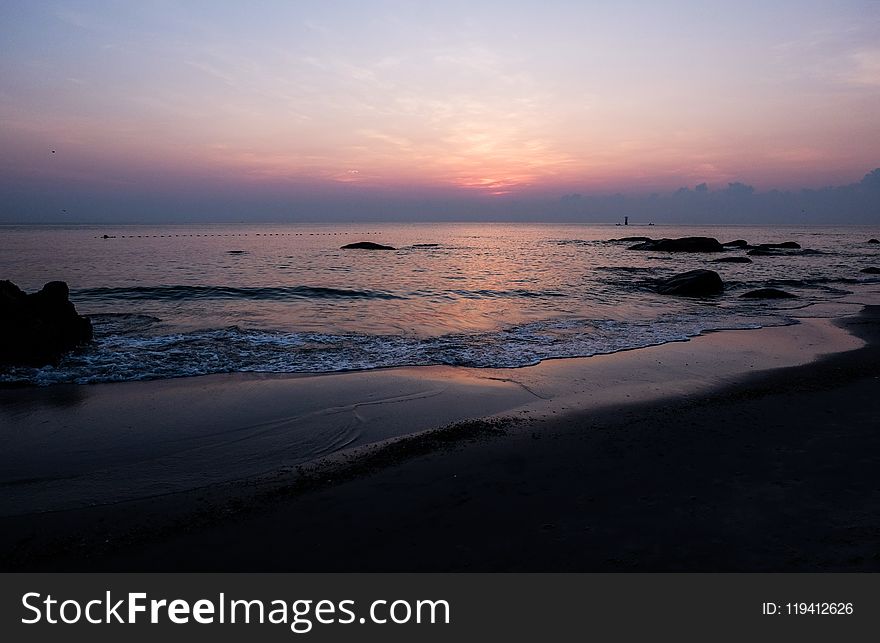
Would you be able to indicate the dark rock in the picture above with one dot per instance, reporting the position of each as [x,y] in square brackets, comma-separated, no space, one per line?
[37,329]
[10,293]
[631,239]
[873,240]
[739,243]
[768,293]
[873,270]
[732,260]
[426,245]
[694,283]
[685,244]
[366,245]
[785,245]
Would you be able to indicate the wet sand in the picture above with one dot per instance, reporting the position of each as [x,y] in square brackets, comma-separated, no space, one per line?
[74,446]
[667,458]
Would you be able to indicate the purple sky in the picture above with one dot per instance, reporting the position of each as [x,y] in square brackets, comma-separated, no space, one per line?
[163,111]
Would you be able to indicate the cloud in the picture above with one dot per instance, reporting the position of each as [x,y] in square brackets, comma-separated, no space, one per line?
[739,190]
[866,68]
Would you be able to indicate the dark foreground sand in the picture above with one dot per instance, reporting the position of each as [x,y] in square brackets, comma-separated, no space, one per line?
[776,472]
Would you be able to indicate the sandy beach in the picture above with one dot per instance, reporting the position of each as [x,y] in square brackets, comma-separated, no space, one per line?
[738,450]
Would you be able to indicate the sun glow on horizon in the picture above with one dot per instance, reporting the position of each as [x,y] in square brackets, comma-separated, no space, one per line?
[486,98]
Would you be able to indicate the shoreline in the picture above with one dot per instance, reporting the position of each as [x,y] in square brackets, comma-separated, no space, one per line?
[553,397]
[136,440]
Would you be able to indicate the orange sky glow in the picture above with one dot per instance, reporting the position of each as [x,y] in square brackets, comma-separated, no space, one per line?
[484,99]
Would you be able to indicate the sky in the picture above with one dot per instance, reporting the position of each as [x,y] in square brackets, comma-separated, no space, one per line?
[381,110]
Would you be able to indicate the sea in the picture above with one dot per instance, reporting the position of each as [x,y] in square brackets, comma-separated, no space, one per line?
[170,301]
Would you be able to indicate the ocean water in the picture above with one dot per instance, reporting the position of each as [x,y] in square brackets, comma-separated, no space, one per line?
[174,301]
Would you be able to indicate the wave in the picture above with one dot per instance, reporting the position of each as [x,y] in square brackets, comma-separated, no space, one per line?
[117,358]
[812,281]
[574,242]
[500,294]
[272,293]
[626,269]
[282,293]
[122,323]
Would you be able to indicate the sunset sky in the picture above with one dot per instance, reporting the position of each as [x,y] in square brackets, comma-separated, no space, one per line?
[182,106]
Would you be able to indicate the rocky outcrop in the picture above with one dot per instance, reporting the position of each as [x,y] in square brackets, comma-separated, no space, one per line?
[871,271]
[738,243]
[768,293]
[873,240]
[694,283]
[37,329]
[366,245]
[684,244]
[630,239]
[732,260]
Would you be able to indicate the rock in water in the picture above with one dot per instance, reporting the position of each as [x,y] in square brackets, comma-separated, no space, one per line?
[873,240]
[738,243]
[732,260]
[37,329]
[694,283]
[685,244]
[768,293]
[873,270]
[630,239]
[365,245]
